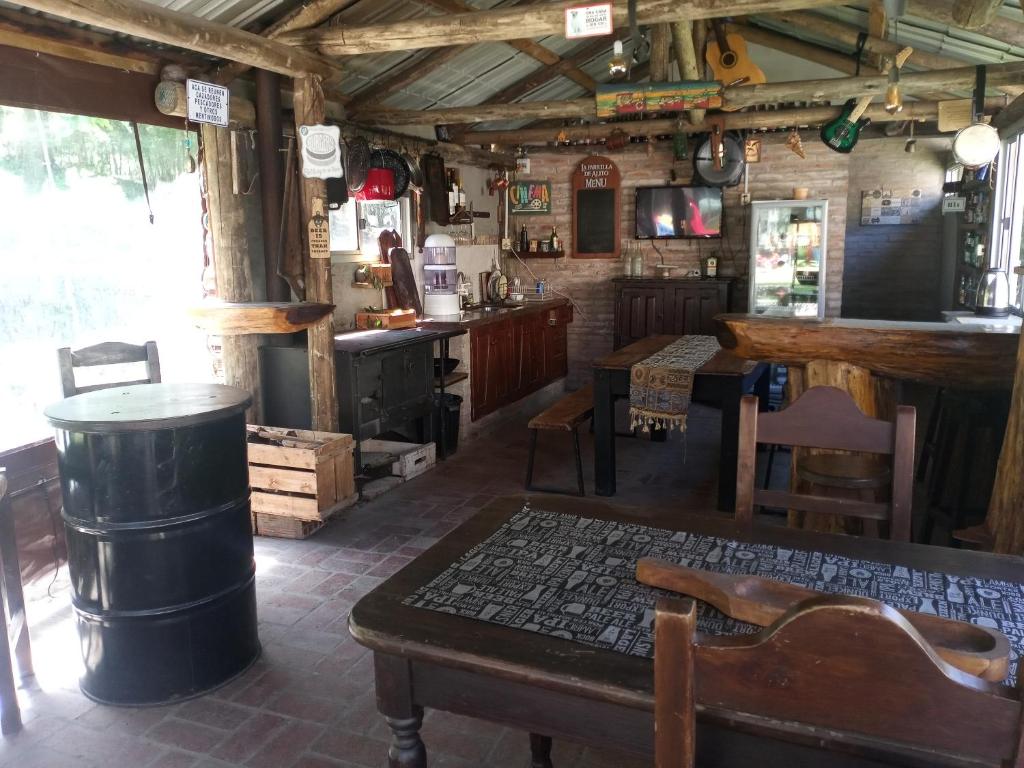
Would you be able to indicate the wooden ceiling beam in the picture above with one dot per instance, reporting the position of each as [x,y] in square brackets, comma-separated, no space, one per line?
[529,47]
[685,54]
[848,34]
[819,54]
[152,22]
[31,32]
[975,14]
[309,14]
[782,118]
[504,24]
[1006,31]
[831,89]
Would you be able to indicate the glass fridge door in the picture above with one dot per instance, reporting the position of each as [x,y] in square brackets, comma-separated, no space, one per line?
[788,258]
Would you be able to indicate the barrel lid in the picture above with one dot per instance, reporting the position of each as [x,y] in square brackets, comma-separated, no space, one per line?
[146,407]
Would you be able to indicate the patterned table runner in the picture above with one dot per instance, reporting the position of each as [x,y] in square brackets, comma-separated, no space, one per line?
[660,386]
[574,578]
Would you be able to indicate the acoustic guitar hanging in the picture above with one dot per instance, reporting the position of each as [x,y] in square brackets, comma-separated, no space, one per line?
[843,133]
[728,58]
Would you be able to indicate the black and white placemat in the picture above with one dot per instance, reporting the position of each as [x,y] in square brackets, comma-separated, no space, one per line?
[574,577]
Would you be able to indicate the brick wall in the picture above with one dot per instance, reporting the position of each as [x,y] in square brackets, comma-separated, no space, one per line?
[894,272]
[588,281]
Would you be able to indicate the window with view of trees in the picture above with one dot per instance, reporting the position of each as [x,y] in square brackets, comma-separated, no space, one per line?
[80,260]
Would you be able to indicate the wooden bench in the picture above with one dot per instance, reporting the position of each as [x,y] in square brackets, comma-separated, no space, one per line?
[564,416]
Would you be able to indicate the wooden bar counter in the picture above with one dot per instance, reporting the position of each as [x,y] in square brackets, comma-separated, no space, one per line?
[864,357]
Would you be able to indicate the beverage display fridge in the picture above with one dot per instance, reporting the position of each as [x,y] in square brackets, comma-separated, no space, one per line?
[787,257]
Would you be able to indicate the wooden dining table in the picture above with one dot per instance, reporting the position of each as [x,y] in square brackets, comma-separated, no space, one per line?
[721,381]
[558,688]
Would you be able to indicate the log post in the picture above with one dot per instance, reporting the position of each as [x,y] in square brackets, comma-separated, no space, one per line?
[231,263]
[875,396]
[1005,519]
[309,110]
[268,137]
[686,60]
[660,58]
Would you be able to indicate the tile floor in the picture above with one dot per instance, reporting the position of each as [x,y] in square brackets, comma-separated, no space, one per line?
[308,702]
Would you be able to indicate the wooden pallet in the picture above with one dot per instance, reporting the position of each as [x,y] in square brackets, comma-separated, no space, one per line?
[300,474]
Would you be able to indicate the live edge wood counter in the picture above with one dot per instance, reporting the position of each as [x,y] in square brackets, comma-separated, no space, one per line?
[561,689]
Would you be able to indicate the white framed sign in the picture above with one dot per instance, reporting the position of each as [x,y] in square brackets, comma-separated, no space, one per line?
[588,20]
[321,151]
[207,102]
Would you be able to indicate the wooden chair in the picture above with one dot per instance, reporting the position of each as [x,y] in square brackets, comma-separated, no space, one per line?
[106,353]
[827,418]
[566,415]
[833,670]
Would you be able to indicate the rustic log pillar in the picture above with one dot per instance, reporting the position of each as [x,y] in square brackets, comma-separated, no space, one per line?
[309,110]
[1005,519]
[686,60]
[231,263]
[660,58]
[875,396]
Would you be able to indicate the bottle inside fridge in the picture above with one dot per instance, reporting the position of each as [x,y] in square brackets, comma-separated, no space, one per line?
[788,246]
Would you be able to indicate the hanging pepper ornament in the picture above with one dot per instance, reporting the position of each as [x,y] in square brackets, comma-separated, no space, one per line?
[796,144]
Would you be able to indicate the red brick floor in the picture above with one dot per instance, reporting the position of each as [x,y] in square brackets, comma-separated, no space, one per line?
[308,702]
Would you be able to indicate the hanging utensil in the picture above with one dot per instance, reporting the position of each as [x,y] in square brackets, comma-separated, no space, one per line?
[978,143]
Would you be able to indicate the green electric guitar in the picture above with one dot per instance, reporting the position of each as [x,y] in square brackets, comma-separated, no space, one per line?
[842,133]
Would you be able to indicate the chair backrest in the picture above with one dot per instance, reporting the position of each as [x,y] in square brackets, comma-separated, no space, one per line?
[106,353]
[850,666]
[828,418]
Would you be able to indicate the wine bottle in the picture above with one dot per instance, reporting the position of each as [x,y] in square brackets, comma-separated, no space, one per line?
[524,240]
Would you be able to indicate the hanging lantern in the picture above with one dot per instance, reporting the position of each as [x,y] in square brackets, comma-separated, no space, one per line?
[380,185]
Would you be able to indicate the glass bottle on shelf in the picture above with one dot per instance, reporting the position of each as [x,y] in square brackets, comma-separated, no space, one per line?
[627,261]
[556,243]
[524,240]
[637,261]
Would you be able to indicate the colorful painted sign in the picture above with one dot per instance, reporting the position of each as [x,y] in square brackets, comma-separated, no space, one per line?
[588,21]
[630,99]
[529,197]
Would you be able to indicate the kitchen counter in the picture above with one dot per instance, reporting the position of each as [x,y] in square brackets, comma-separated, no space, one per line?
[478,317]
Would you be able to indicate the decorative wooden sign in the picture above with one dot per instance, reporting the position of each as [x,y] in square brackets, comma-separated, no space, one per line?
[529,197]
[630,99]
[880,207]
[319,232]
[596,209]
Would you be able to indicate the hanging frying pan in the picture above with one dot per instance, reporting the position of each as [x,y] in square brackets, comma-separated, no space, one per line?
[978,143]
[358,163]
[387,158]
[415,174]
[730,169]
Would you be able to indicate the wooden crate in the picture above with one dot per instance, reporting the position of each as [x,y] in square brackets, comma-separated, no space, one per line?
[282,527]
[410,459]
[395,318]
[299,474]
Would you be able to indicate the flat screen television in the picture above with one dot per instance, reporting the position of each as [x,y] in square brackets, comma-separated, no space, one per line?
[678,212]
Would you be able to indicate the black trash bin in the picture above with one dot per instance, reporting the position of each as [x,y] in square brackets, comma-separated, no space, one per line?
[449,410]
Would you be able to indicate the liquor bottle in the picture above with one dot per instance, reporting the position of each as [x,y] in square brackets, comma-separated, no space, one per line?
[453,193]
[524,240]
[556,243]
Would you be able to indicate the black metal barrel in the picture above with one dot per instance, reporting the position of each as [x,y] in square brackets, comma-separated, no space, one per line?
[156,508]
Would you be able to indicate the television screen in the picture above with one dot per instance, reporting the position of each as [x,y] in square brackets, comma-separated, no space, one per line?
[669,212]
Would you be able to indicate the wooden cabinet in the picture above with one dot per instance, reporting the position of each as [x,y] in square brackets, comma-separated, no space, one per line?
[647,307]
[515,356]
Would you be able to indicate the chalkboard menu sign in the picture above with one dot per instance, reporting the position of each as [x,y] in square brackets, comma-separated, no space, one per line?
[596,209]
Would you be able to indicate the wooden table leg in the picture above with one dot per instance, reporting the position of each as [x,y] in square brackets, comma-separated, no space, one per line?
[403,715]
[540,751]
[728,452]
[604,434]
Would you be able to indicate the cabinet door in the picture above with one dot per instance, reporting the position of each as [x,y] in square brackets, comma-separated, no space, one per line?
[407,381]
[556,360]
[529,353]
[694,308]
[490,353]
[639,312]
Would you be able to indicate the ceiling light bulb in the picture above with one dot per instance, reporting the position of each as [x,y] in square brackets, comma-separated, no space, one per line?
[617,63]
